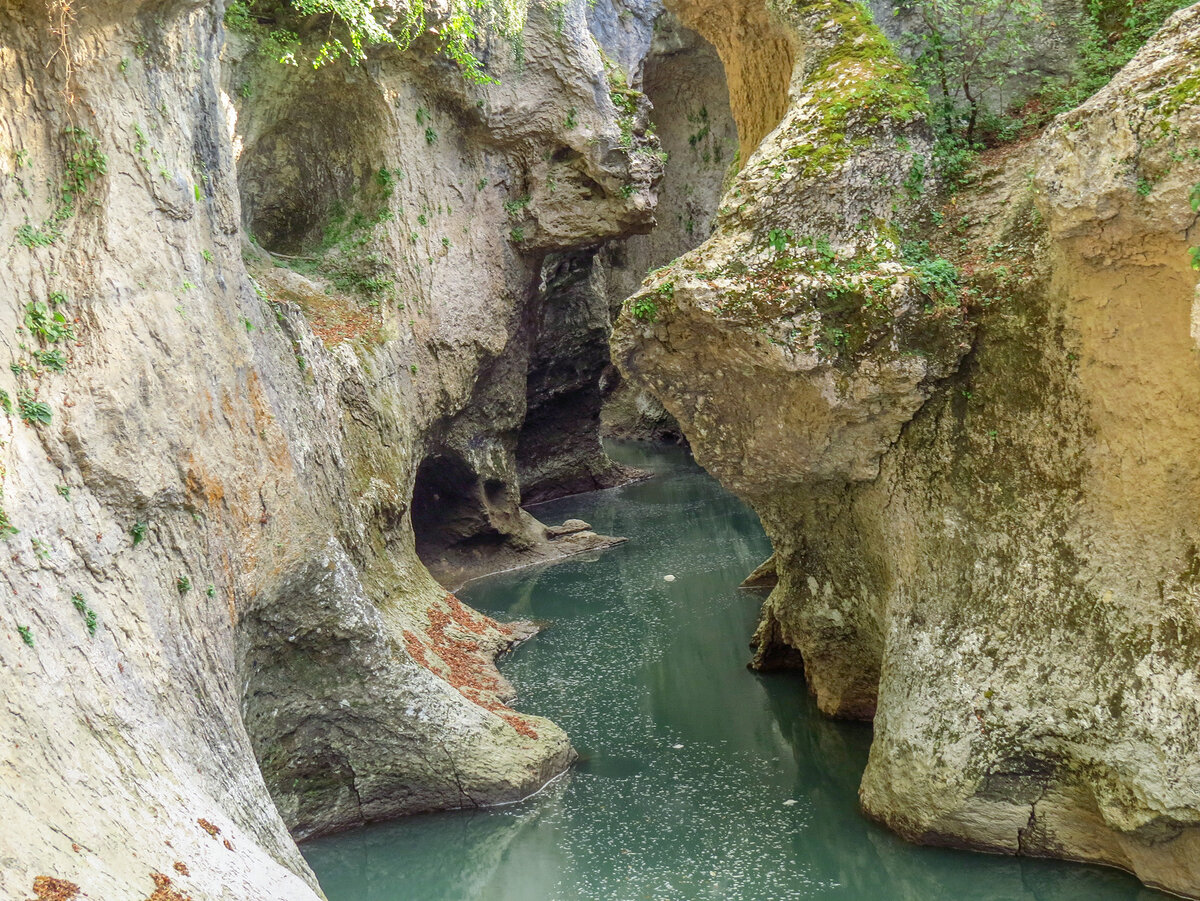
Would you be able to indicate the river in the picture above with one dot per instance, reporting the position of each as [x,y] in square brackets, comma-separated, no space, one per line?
[698,779]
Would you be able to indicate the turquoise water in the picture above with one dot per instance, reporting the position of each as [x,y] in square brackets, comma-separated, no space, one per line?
[699,779]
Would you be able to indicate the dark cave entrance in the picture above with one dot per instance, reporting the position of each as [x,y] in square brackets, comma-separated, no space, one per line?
[450,509]
[311,164]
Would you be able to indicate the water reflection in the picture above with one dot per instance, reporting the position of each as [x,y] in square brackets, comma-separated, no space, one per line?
[699,779]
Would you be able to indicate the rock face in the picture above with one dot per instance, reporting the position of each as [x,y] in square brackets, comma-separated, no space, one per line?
[983,514]
[223,461]
[685,80]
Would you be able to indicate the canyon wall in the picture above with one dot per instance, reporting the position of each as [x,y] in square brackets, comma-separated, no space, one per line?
[269,335]
[974,459]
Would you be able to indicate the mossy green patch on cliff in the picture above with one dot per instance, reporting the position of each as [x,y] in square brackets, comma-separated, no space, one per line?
[856,85]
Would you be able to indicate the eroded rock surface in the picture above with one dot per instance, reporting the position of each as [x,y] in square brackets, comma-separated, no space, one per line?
[983,511]
[218,467]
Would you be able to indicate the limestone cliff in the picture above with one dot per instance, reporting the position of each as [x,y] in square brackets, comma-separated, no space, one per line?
[982,504]
[268,335]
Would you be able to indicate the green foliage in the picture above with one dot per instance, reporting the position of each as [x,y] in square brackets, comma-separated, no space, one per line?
[644,309]
[89,615]
[779,239]
[516,235]
[572,119]
[183,585]
[137,532]
[83,164]
[937,277]
[64,491]
[47,325]
[26,634]
[32,410]
[963,46]
[7,530]
[1112,32]
[29,235]
[515,208]
[914,182]
[386,179]
[952,158]
[431,136]
[54,360]
[6,402]
[347,28]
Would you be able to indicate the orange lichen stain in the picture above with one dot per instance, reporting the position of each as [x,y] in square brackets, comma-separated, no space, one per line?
[181,868]
[333,316]
[202,486]
[464,663]
[208,827]
[47,888]
[228,845]
[415,649]
[471,620]
[163,890]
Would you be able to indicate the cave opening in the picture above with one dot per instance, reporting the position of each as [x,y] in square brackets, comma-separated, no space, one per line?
[450,509]
[309,164]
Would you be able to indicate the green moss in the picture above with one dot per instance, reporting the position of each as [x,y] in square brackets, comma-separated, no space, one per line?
[856,85]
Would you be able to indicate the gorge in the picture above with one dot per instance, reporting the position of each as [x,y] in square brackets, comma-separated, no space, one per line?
[292,347]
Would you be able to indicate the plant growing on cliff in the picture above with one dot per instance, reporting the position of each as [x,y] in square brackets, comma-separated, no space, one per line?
[83,165]
[936,276]
[33,411]
[26,634]
[47,325]
[137,532]
[644,309]
[1111,32]
[90,619]
[779,238]
[7,530]
[963,46]
[347,28]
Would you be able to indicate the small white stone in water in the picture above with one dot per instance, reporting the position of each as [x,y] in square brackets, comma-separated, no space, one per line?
[676,747]
[668,578]
[789,802]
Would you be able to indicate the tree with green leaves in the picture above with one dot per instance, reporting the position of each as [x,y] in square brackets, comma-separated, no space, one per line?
[963,47]
[347,28]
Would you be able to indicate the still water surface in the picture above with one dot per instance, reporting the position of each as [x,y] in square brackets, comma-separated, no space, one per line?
[699,779]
